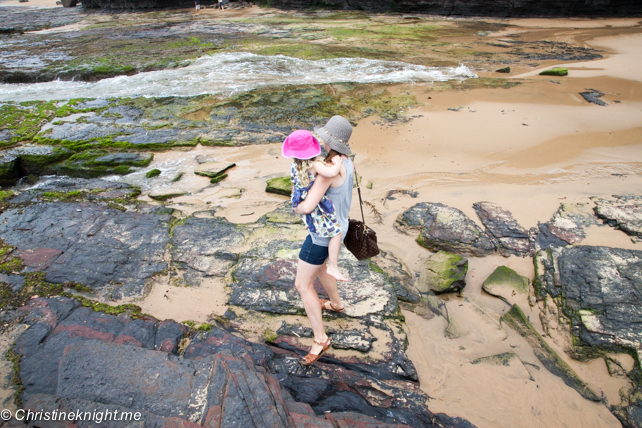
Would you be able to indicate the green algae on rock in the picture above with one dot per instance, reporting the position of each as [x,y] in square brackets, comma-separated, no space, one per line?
[166,196]
[559,71]
[505,283]
[152,173]
[443,273]
[280,186]
[516,319]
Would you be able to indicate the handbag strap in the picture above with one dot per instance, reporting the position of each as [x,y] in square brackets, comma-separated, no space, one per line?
[356,177]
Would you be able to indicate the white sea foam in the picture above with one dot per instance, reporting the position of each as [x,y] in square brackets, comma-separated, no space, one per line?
[234,72]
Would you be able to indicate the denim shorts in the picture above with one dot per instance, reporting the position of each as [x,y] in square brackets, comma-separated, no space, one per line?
[312,253]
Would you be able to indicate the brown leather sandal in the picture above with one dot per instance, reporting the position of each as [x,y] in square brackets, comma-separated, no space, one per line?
[313,358]
[331,308]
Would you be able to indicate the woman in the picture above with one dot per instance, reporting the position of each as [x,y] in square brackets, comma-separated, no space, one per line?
[314,252]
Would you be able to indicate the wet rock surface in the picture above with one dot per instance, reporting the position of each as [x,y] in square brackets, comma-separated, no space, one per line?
[445,228]
[509,236]
[219,380]
[20,19]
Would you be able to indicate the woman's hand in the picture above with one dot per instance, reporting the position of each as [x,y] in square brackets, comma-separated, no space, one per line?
[315,194]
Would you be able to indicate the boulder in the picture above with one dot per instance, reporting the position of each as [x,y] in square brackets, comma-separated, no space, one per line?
[280,186]
[443,273]
[506,283]
[509,236]
[566,226]
[33,159]
[444,228]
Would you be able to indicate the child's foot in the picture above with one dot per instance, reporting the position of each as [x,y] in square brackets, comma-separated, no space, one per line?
[334,272]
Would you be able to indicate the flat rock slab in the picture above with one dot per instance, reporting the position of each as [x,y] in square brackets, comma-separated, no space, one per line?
[624,213]
[445,228]
[264,281]
[113,252]
[506,283]
[213,169]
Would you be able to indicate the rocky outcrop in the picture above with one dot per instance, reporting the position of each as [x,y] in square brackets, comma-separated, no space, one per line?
[623,213]
[598,290]
[566,227]
[220,379]
[445,228]
[503,8]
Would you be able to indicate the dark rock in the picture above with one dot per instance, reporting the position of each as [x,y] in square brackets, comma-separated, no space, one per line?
[445,228]
[113,252]
[510,236]
[33,159]
[20,19]
[503,70]
[205,247]
[8,169]
[15,281]
[602,290]
[566,226]
[593,96]
[169,335]
[134,159]
[623,213]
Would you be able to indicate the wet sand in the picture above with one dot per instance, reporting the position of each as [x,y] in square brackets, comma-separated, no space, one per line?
[528,149]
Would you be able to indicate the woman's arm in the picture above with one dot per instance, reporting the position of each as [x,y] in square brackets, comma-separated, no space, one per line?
[315,194]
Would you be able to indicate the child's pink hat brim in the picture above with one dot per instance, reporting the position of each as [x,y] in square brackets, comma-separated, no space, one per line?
[301,144]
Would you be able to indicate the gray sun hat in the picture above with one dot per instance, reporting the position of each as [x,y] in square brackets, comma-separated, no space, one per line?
[336,134]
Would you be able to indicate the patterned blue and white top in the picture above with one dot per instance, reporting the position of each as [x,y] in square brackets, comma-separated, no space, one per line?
[323,219]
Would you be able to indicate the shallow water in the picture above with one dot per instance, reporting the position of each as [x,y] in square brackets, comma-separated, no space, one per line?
[235,72]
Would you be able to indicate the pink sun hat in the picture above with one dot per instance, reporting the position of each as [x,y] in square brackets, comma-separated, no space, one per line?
[301,144]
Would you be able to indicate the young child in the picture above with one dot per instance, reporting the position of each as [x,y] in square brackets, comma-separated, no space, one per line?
[304,148]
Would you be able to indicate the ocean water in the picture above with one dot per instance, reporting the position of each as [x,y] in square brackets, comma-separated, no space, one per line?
[236,72]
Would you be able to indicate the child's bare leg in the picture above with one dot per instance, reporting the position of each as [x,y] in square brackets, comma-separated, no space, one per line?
[333,258]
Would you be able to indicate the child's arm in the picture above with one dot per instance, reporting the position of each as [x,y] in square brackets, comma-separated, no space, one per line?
[328,171]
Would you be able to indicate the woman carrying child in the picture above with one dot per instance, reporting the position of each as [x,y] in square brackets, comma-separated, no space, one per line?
[314,252]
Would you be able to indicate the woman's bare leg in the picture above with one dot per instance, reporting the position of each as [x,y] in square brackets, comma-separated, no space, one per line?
[333,258]
[304,283]
[330,286]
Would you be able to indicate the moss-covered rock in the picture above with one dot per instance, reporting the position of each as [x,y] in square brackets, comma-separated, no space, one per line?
[558,71]
[213,170]
[8,169]
[153,173]
[280,186]
[96,163]
[505,283]
[443,273]
[516,319]
[33,159]
[166,196]
[503,70]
